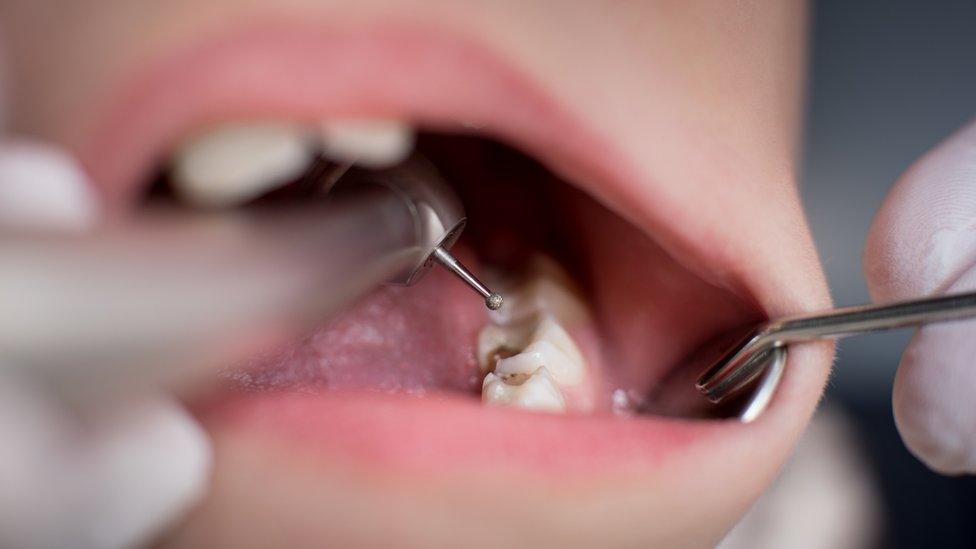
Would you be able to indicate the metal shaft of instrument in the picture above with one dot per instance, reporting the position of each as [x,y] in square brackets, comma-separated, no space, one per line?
[492,300]
[872,318]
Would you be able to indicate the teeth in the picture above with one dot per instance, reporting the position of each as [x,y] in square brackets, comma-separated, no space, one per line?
[237,163]
[527,342]
[536,392]
[550,347]
[551,331]
[495,341]
[368,143]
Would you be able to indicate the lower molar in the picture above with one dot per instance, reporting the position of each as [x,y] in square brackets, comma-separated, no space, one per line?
[537,391]
[528,357]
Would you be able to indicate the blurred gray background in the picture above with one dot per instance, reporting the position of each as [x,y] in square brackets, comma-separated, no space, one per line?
[890,79]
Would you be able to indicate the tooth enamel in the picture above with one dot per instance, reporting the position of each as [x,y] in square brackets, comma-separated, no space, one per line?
[521,348]
[369,143]
[539,354]
[494,340]
[234,164]
[549,295]
[530,339]
[537,392]
[551,331]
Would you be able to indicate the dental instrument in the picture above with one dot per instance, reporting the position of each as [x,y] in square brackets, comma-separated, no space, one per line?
[766,343]
[440,220]
[161,300]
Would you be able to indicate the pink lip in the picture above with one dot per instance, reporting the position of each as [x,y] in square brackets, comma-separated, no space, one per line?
[439,80]
[440,432]
[312,73]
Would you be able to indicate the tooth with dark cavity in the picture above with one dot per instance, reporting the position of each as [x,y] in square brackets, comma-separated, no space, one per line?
[536,391]
[528,338]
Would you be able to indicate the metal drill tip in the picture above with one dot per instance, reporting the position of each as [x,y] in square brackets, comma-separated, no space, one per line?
[492,300]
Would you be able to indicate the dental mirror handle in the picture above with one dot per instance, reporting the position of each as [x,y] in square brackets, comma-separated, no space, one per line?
[848,321]
[177,294]
[737,366]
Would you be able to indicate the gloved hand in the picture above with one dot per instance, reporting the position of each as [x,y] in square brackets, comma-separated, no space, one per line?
[110,473]
[923,242]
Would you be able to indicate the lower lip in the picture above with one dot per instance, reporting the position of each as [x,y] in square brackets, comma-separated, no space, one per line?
[445,432]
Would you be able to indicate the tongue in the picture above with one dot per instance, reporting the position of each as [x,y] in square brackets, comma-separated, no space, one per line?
[414,339]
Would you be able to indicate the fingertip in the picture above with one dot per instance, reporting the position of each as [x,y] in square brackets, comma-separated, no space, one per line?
[151,461]
[43,187]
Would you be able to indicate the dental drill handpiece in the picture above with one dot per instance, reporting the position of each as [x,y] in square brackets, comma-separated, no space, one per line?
[176,294]
[439,220]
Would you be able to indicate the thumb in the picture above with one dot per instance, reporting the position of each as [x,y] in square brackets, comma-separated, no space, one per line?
[923,242]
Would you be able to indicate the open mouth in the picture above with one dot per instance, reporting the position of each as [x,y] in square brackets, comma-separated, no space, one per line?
[569,338]
[612,281]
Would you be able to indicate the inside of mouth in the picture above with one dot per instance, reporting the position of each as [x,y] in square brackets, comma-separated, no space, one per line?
[647,312]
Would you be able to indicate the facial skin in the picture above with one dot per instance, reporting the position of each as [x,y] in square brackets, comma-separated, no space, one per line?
[698,100]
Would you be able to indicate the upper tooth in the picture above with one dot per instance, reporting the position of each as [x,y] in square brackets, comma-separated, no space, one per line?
[537,392]
[369,143]
[234,164]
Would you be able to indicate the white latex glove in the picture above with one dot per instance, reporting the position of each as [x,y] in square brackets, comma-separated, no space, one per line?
[923,242]
[107,474]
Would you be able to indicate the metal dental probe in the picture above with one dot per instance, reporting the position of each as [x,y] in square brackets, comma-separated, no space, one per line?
[493,300]
[748,358]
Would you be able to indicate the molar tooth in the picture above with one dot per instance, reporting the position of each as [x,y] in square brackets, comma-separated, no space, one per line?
[542,354]
[550,295]
[526,344]
[369,143]
[495,340]
[549,329]
[537,392]
[233,164]
[549,345]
